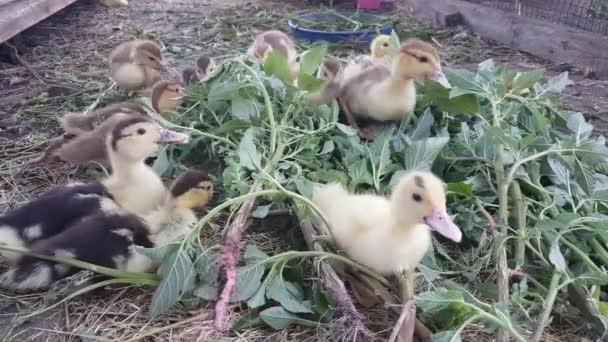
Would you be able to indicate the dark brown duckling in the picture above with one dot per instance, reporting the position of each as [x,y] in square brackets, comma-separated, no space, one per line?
[166,96]
[204,66]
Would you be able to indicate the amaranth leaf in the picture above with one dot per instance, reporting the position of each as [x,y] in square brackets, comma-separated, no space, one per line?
[288,295]
[423,126]
[556,257]
[279,319]
[248,153]
[435,301]
[312,59]
[177,273]
[421,154]
[248,282]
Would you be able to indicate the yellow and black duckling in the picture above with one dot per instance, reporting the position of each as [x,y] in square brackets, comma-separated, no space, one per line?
[204,66]
[388,235]
[109,238]
[166,96]
[379,93]
[132,184]
[136,64]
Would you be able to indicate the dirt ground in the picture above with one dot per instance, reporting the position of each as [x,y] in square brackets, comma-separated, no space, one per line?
[60,65]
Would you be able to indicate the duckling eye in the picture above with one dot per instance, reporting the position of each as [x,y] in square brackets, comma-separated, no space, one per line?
[423,59]
[417,197]
[141,131]
[151,58]
[385,44]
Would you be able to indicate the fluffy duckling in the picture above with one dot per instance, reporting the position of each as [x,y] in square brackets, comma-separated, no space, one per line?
[114,3]
[388,235]
[268,41]
[166,96]
[109,239]
[379,93]
[132,184]
[204,66]
[84,138]
[136,64]
[80,123]
[50,213]
[176,217]
[330,89]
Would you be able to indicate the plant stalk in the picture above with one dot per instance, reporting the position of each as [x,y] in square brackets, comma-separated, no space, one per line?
[549,300]
[600,251]
[520,221]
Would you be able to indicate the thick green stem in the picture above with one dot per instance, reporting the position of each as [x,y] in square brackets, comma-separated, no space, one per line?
[111,272]
[519,214]
[549,300]
[502,268]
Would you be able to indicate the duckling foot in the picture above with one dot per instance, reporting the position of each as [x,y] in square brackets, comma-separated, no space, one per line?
[367,134]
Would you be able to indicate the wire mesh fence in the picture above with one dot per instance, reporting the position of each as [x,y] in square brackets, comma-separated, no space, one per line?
[587,15]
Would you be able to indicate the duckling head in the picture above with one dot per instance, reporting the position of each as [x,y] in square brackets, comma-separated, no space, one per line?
[380,45]
[137,138]
[204,65]
[329,68]
[165,96]
[147,53]
[419,198]
[192,190]
[419,60]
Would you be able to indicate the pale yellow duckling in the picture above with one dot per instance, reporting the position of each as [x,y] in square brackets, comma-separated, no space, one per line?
[268,41]
[379,93]
[204,66]
[136,64]
[388,235]
[166,96]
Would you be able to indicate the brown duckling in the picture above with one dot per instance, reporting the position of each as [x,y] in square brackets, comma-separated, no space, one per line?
[136,64]
[268,41]
[166,96]
[204,66]
[79,123]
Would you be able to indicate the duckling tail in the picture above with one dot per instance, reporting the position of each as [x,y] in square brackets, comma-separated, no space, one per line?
[327,196]
[30,274]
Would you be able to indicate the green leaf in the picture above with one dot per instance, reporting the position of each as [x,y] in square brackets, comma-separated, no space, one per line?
[592,278]
[162,164]
[435,301]
[157,254]
[423,126]
[259,299]
[309,83]
[359,172]
[208,292]
[276,64]
[328,147]
[501,137]
[222,91]
[421,154]
[312,59]
[346,129]
[242,108]
[253,255]
[261,211]
[577,124]
[248,282]
[462,189]
[304,187]
[584,178]
[446,336]
[248,153]
[561,172]
[177,273]
[527,80]
[556,257]
[464,79]
[232,126]
[250,320]
[558,83]
[436,94]
[279,319]
[288,295]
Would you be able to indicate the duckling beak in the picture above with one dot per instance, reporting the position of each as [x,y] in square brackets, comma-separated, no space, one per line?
[440,222]
[171,137]
[440,78]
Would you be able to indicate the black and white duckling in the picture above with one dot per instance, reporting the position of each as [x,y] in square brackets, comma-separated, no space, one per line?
[50,213]
[109,238]
[132,184]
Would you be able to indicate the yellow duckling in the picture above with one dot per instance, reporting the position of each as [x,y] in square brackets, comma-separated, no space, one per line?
[136,64]
[388,235]
[166,96]
[109,238]
[379,93]
[204,66]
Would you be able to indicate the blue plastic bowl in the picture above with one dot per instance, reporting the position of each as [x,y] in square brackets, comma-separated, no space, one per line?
[361,36]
